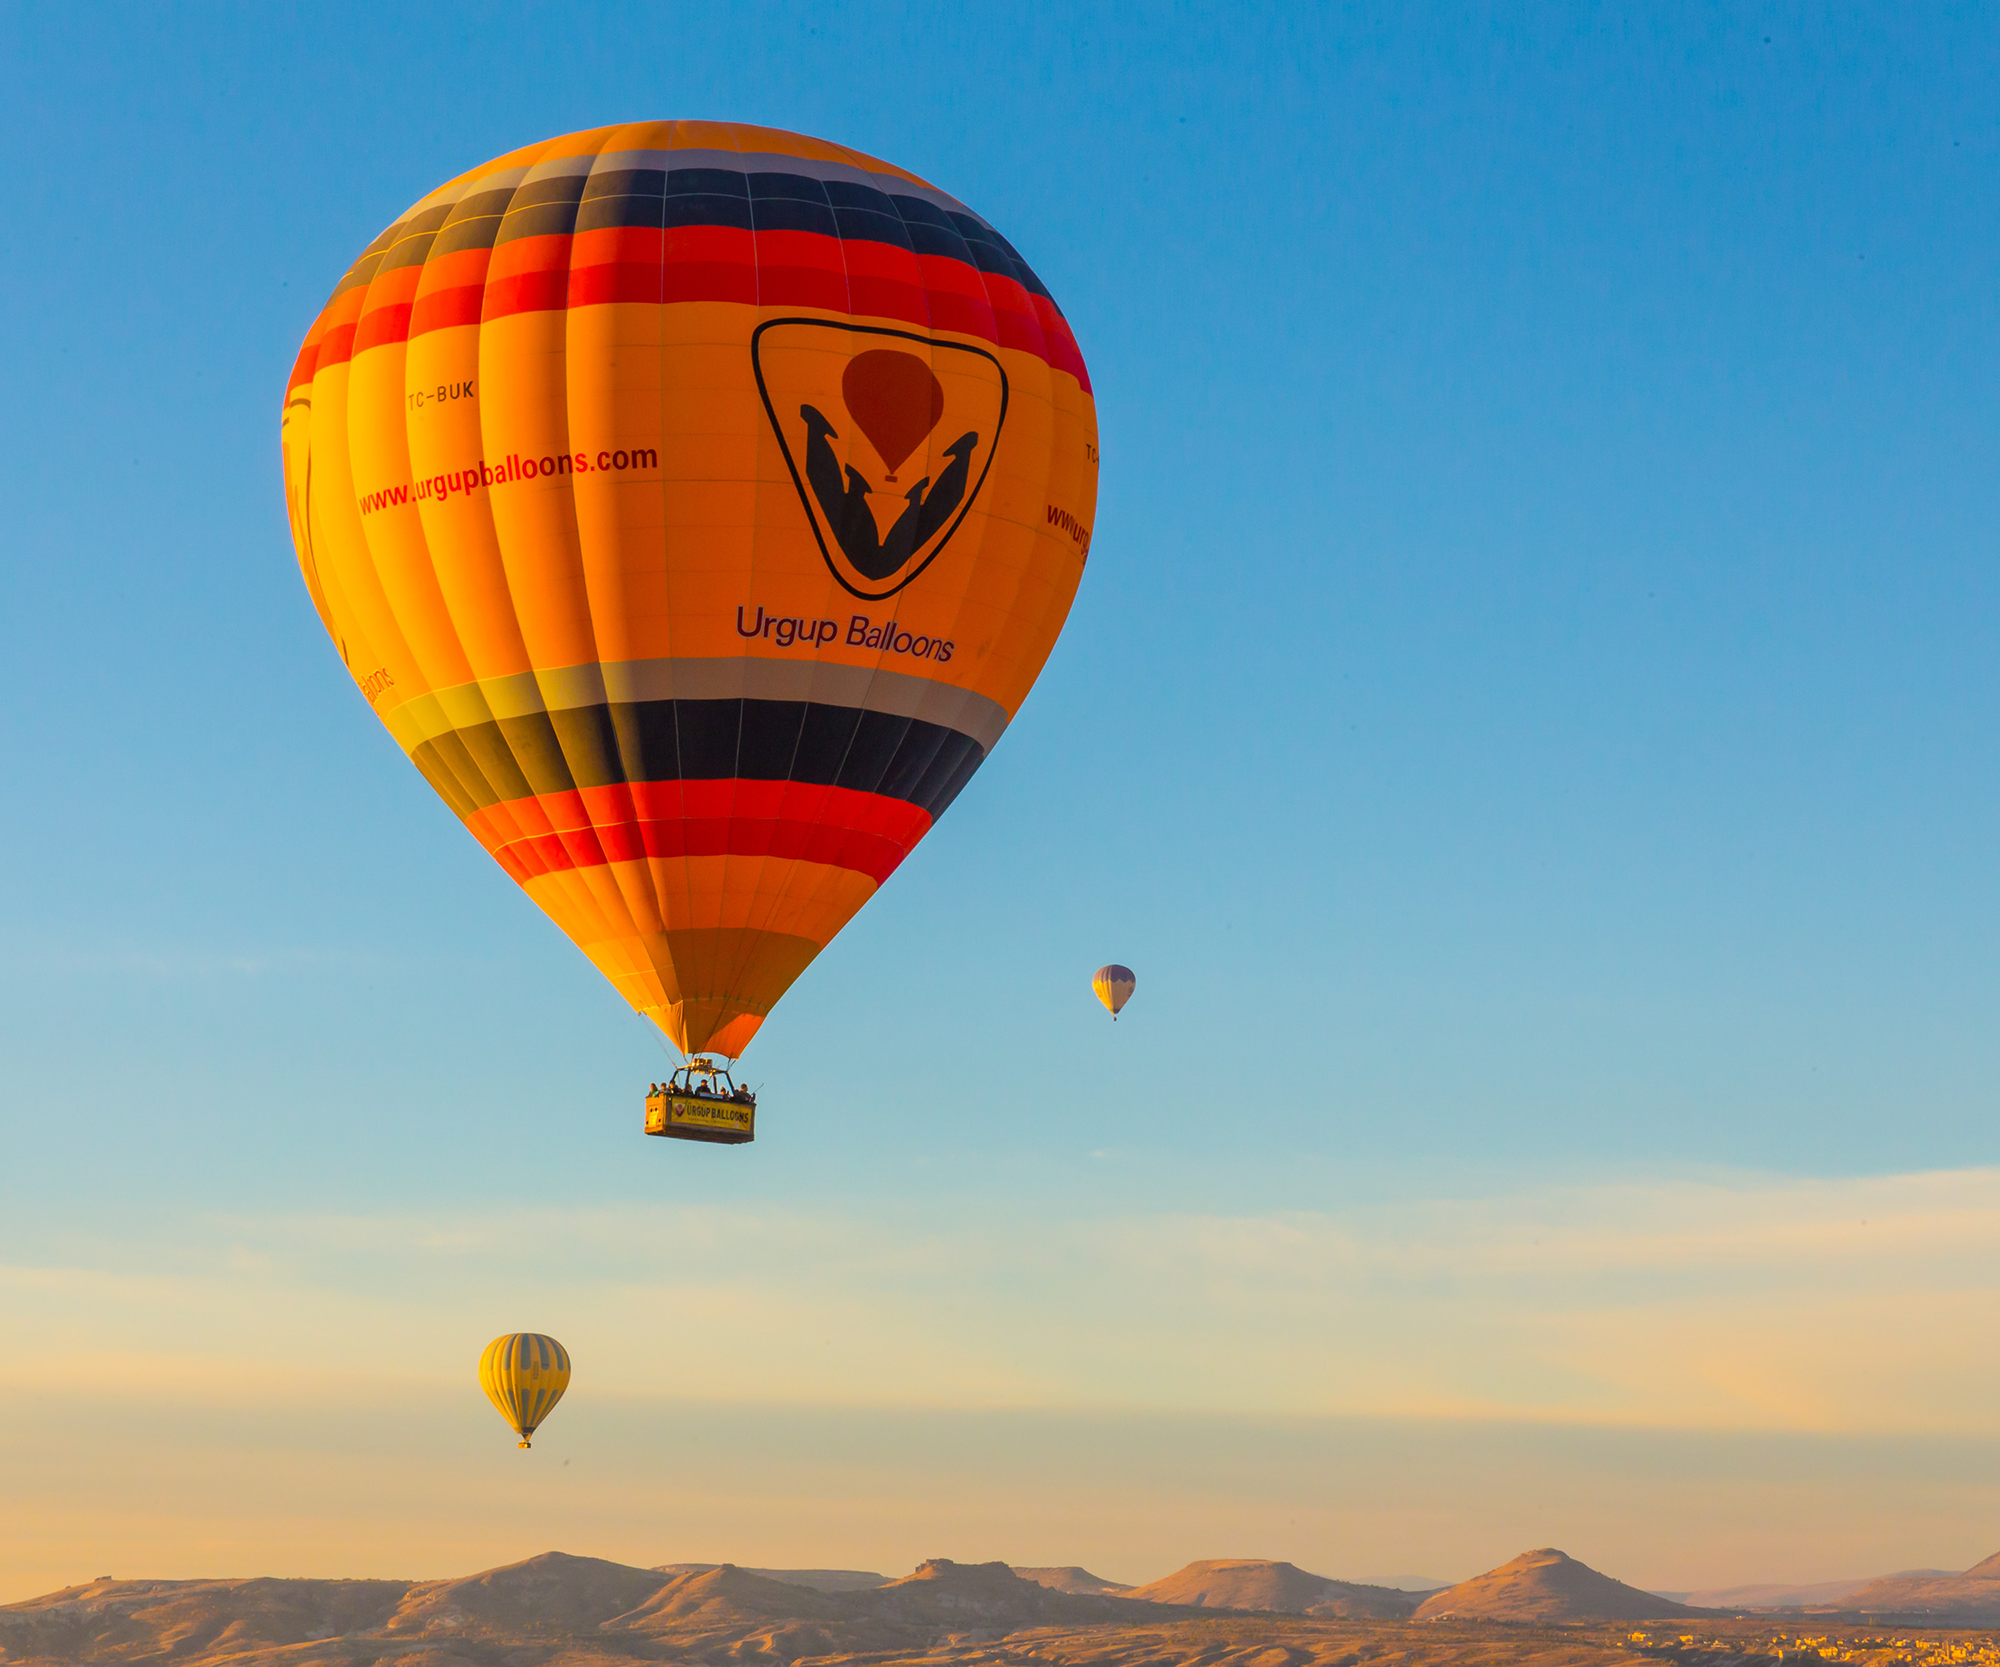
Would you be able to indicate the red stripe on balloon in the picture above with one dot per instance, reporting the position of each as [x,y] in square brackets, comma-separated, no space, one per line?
[382,324]
[725,263]
[306,365]
[336,347]
[584,827]
[443,308]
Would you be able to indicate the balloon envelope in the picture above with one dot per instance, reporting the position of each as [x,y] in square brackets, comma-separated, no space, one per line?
[524,1374]
[1114,986]
[695,504]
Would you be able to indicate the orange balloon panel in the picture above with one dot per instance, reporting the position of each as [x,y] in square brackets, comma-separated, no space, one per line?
[695,504]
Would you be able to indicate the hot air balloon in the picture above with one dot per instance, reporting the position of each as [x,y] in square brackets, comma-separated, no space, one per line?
[695,504]
[1114,986]
[524,1374]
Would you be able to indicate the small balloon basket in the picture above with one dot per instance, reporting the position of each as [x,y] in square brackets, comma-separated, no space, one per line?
[701,1101]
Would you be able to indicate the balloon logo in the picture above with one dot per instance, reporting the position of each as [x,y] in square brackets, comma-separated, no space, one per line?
[1114,986]
[944,400]
[895,399]
[524,1374]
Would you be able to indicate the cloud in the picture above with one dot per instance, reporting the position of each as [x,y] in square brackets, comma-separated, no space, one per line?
[1731,1302]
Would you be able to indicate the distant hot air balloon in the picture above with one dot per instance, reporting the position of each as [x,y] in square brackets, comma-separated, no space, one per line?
[1114,986]
[524,1374]
[695,504]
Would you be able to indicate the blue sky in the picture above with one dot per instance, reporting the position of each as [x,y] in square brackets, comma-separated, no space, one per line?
[1526,720]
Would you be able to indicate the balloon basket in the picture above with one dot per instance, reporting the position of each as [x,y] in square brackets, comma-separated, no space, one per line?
[701,1101]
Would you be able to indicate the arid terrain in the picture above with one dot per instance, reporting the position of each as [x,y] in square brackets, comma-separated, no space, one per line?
[1541,1610]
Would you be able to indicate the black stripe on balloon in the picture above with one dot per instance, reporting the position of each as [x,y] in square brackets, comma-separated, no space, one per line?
[361,272]
[656,198]
[543,208]
[474,222]
[681,197]
[923,764]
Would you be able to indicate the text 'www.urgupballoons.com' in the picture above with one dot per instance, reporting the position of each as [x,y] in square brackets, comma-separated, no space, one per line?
[513,467]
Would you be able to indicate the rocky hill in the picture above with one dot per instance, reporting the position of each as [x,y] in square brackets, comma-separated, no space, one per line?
[820,1580]
[1778,1595]
[1258,1584]
[1546,1586]
[1070,1578]
[988,1595]
[1968,1599]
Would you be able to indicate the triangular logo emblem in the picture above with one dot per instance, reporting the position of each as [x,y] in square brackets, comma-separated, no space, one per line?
[888,435]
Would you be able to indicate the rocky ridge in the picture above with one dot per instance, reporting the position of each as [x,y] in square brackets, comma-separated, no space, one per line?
[820,1580]
[1070,1578]
[1547,1586]
[1541,1610]
[1968,1599]
[1259,1584]
[552,1606]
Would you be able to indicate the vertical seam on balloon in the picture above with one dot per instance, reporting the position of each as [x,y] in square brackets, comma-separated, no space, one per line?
[622,879]
[340,619]
[353,552]
[400,427]
[456,193]
[1035,534]
[679,994]
[971,560]
[426,672]
[718,997]
[450,758]
[677,868]
[655,871]
[672,867]
[822,881]
[882,654]
[969,564]
[590,893]
[723,984]
[819,649]
[481,343]
[515,645]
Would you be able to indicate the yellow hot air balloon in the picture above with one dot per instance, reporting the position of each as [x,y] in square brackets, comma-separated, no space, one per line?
[1114,986]
[524,1374]
[695,504]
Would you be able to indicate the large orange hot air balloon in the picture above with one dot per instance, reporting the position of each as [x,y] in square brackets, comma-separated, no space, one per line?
[695,504]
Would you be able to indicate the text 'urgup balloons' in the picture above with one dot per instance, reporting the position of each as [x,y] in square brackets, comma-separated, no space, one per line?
[695,504]
[524,1374]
